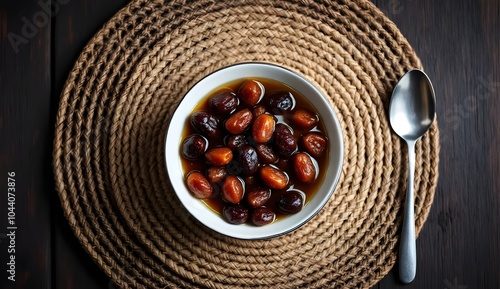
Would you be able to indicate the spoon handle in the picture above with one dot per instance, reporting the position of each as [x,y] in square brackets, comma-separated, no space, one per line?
[407,249]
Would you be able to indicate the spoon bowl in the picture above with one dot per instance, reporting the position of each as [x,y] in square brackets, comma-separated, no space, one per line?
[411,112]
[413,106]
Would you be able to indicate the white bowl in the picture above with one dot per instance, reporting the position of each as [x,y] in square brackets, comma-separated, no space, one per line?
[198,92]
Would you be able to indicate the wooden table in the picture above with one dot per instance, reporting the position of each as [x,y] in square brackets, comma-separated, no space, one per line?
[457,41]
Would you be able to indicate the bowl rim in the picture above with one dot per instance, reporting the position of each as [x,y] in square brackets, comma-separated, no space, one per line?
[331,188]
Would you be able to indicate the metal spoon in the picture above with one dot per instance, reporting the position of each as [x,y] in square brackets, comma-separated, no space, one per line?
[411,113]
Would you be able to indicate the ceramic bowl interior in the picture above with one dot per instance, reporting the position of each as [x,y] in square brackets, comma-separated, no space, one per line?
[198,92]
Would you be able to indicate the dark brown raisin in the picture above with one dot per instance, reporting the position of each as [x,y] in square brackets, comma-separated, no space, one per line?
[223,102]
[291,202]
[234,142]
[248,159]
[266,154]
[194,146]
[205,123]
[262,216]
[284,140]
[280,102]
[235,214]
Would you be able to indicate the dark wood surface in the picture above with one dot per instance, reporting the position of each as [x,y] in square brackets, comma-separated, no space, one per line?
[457,41]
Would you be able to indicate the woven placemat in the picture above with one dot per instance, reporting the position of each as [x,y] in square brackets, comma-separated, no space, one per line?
[114,110]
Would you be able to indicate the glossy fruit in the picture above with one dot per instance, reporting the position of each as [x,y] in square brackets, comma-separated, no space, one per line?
[258,197]
[248,160]
[253,146]
[266,154]
[216,174]
[304,167]
[219,156]
[205,123]
[273,178]
[284,140]
[239,121]
[263,128]
[258,110]
[194,146]
[223,102]
[232,189]
[262,216]
[314,143]
[235,214]
[280,102]
[304,119]
[250,92]
[291,202]
[198,185]
[234,142]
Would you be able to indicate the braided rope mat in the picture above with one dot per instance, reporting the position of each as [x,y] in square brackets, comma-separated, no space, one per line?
[108,148]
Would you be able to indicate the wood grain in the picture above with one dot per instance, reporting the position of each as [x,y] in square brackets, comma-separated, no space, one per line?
[25,140]
[458,43]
